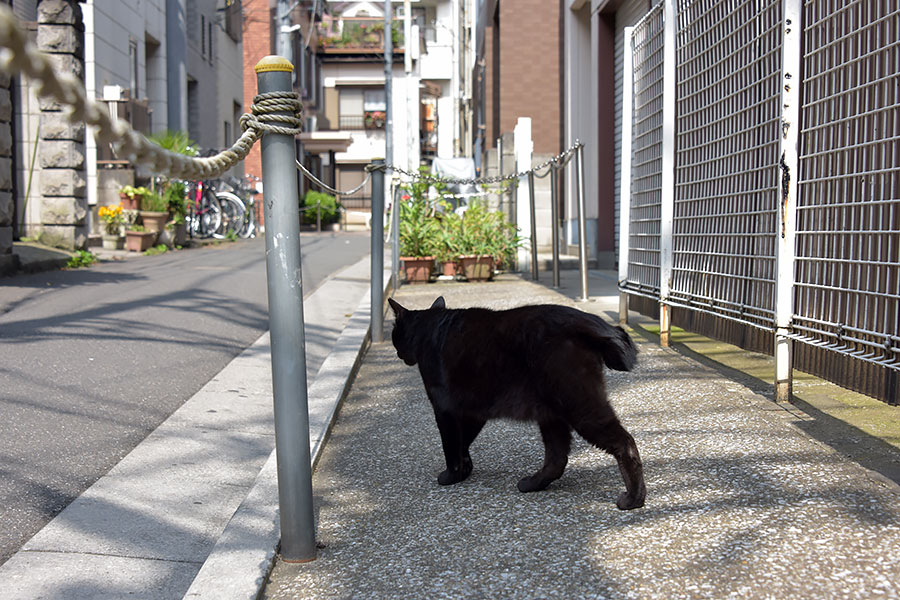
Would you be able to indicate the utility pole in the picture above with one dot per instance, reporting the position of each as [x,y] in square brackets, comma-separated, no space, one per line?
[284,28]
[388,69]
[411,116]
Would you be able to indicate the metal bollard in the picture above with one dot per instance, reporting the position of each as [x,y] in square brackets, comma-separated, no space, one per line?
[582,227]
[285,286]
[377,293]
[531,203]
[554,221]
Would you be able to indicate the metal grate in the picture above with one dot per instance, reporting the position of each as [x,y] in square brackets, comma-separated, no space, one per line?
[726,164]
[847,286]
[646,166]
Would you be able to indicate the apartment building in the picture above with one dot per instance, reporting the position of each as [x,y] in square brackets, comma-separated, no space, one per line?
[160,64]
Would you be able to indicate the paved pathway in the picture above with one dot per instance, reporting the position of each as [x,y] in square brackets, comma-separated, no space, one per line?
[741,503]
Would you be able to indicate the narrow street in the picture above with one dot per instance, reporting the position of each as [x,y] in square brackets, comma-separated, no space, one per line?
[93,360]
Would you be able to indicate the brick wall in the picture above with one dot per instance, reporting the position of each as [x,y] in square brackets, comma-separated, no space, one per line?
[529,81]
[256,45]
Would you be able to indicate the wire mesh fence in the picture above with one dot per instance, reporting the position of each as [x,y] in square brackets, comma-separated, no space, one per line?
[730,179]
[646,161]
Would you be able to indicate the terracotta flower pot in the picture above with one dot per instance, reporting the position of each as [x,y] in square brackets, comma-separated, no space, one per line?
[130,203]
[418,268]
[154,221]
[477,268]
[450,268]
[138,241]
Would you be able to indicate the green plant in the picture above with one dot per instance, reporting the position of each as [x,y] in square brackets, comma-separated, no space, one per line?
[81,258]
[153,202]
[132,191]
[173,194]
[175,141]
[418,230]
[112,218]
[231,235]
[135,228]
[485,233]
[157,249]
[315,202]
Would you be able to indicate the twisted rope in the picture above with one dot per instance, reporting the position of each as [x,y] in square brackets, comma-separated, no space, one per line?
[18,55]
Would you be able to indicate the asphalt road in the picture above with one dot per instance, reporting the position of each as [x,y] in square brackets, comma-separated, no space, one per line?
[93,360]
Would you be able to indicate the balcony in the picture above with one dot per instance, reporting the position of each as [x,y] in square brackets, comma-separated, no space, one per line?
[354,35]
[368,120]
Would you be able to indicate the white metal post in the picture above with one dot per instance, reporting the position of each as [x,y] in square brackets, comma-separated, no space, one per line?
[625,172]
[523,152]
[667,200]
[790,163]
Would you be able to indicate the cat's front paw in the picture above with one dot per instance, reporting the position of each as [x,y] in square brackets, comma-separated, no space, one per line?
[629,502]
[448,477]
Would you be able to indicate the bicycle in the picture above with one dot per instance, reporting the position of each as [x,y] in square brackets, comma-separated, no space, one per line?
[205,213]
[245,190]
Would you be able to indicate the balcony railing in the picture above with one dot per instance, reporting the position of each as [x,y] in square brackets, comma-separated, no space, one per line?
[370,120]
[357,34]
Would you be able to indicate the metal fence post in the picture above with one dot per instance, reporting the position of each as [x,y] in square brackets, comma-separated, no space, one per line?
[667,192]
[285,287]
[377,294]
[625,172]
[554,220]
[531,209]
[790,172]
[582,225]
[395,236]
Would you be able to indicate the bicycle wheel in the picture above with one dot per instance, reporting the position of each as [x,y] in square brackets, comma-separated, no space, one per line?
[232,214]
[248,226]
[209,218]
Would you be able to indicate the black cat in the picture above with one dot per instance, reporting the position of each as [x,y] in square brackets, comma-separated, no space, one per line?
[535,363]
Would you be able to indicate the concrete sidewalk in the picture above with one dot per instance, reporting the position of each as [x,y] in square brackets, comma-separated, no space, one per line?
[741,503]
[159,518]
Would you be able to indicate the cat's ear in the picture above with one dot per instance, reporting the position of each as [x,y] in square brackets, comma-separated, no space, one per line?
[399,311]
[439,303]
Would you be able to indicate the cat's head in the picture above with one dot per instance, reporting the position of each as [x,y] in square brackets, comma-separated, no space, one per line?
[406,332]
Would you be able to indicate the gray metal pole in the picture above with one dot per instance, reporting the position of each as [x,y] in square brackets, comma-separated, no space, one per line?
[395,238]
[289,385]
[554,220]
[377,293]
[388,84]
[582,227]
[531,203]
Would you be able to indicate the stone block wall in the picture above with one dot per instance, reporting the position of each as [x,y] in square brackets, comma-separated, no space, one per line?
[62,148]
[7,202]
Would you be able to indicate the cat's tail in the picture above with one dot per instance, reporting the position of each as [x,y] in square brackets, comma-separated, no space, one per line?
[613,343]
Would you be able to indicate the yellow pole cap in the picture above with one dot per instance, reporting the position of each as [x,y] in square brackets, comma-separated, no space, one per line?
[274,63]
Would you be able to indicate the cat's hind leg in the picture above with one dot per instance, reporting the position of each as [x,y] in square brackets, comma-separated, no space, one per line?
[557,436]
[610,436]
[457,434]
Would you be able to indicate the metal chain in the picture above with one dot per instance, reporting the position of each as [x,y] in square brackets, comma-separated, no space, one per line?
[559,160]
[18,55]
[327,187]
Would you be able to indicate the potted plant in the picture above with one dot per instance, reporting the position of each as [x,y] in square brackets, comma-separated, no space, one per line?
[449,242]
[137,239]
[154,211]
[487,241]
[131,197]
[418,231]
[113,219]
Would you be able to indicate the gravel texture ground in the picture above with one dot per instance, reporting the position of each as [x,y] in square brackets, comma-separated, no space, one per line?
[740,502]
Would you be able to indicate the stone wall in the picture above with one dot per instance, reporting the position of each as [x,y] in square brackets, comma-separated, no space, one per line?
[62,148]
[7,202]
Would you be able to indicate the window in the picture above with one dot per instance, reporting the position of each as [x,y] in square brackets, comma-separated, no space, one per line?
[203,35]
[351,108]
[133,67]
[233,19]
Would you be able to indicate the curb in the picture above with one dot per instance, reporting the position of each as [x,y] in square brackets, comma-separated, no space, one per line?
[242,558]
